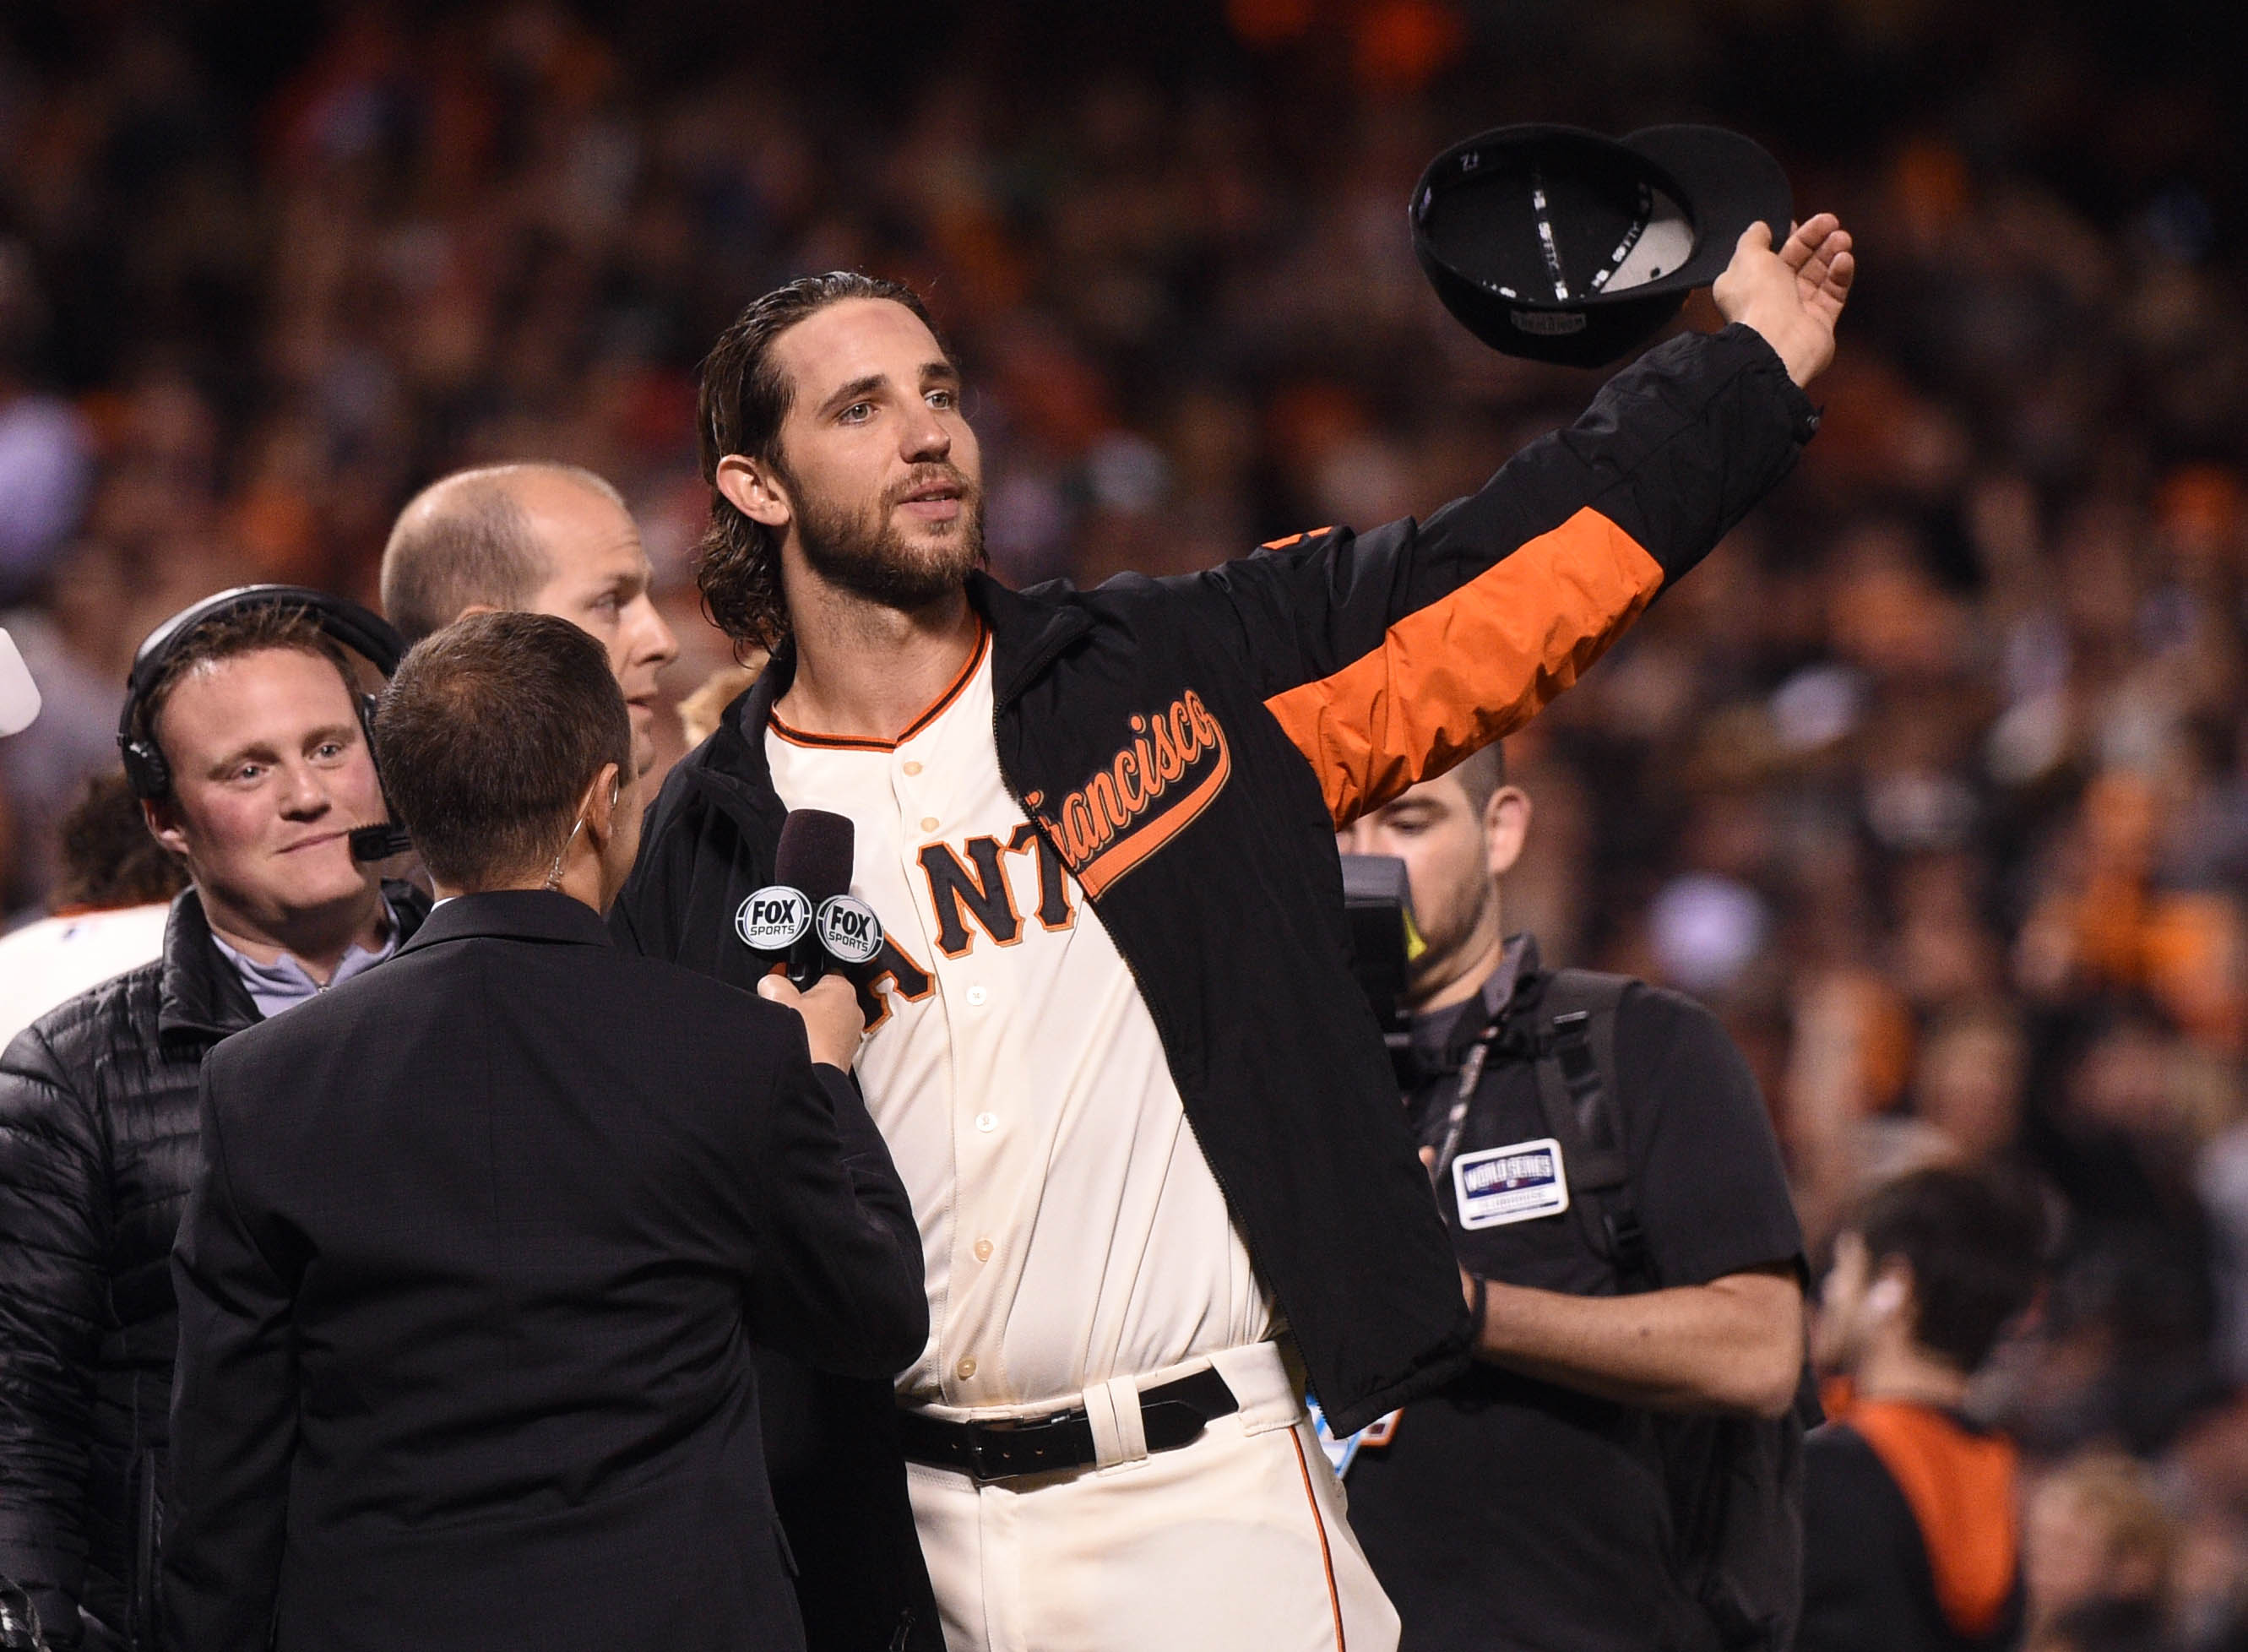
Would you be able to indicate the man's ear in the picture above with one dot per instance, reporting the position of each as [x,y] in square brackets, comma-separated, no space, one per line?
[162,817]
[1891,1290]
[1506,828]
[598,808]
[753,488]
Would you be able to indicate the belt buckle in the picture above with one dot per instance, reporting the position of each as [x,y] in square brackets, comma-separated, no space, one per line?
[977,1433]
[976,1469]
[977,1440]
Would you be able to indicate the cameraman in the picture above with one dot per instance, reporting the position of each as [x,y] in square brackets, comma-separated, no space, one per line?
[1624,1229]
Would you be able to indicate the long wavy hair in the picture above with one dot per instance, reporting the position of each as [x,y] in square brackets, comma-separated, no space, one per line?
[744,397]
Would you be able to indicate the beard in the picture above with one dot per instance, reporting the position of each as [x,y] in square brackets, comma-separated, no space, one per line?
[865,553]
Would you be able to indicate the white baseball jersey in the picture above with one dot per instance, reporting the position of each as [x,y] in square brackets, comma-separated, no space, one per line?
[1072,1230]
[56,959]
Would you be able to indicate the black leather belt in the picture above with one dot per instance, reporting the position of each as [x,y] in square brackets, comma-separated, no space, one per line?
[1172,1415]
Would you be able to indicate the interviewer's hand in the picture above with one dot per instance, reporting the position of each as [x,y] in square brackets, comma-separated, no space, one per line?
[1793,296]
[831,1021]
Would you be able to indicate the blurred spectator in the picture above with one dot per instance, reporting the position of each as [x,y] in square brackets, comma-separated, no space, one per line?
[700,711]
[2098,1547]
[2125,1107]
[111,860]
[45,454]
[2223,1185]
[2105,1625]
[1909,1511]
[109,911]
[1968,1079]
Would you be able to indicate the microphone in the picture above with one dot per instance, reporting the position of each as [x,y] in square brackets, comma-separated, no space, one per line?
[807,913]
[378,842]
[813,860]
[387,838]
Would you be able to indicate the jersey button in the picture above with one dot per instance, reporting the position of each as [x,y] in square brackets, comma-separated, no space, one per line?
[967,1369]
[912,767]
[929,823]
[976,995]
[983,1249]
[987,1120]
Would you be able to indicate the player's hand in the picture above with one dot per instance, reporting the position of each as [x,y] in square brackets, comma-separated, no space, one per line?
[1793,296]
[831,1021]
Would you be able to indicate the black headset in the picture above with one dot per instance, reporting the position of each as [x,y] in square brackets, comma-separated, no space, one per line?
[362,630]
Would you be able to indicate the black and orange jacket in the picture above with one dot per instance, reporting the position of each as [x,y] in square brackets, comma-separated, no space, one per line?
[1911,1533]
[1190,745]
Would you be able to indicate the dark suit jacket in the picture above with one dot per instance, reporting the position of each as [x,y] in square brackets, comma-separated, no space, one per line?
[467,1290]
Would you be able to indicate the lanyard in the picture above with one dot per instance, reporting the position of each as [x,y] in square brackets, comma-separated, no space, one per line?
[1470,1076]
[1498,995]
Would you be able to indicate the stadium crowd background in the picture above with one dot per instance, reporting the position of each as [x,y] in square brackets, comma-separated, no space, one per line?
[1934,782]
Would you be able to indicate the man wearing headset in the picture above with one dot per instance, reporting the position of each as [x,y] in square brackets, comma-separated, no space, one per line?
[244,736]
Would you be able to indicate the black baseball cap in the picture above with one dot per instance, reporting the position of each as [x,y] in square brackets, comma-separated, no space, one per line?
[1562,245]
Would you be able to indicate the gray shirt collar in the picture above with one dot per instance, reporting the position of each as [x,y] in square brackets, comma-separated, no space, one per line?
[1436,1031]
[281,985]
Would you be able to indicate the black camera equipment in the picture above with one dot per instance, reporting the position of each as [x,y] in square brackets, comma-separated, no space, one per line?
[362,631]
[1377,899]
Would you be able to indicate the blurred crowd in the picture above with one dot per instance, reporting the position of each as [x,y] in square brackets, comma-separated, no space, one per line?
[1934,781]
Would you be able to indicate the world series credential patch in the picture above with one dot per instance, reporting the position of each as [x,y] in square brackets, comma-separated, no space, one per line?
[1499,1185]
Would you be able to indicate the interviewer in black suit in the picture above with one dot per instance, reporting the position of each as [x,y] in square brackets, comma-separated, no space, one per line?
[468,1287]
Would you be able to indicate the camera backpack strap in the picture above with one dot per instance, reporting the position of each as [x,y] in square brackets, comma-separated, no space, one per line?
[1575,1065]
[1734,1483]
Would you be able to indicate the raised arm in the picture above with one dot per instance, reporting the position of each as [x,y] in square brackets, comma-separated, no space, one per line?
[1389,656]
[234,1416]
[1791,297]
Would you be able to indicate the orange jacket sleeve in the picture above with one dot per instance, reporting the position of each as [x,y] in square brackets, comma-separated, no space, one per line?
[1389,656]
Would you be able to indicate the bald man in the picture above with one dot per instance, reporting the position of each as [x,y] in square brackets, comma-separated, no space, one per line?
[541,538]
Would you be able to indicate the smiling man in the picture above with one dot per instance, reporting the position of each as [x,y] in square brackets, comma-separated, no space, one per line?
[1140,1103]
[261,771]
[540,539]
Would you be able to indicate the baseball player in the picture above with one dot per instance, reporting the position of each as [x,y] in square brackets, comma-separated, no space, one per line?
[1142,1109]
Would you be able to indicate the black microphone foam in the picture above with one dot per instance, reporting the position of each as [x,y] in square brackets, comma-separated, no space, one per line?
[379,842]
[814,858]
[814,855]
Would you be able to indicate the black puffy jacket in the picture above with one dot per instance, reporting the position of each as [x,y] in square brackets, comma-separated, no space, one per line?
[98,1144]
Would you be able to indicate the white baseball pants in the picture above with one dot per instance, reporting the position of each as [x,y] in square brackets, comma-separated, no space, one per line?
[1235,1542]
